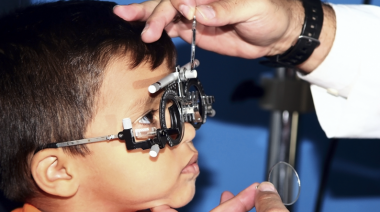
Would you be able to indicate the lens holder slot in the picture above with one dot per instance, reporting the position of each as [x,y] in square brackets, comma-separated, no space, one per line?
[176,119]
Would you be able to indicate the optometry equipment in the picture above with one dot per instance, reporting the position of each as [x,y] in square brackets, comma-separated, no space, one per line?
[184,100]
[286,181]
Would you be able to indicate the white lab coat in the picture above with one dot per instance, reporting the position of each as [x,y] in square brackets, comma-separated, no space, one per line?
[346,86]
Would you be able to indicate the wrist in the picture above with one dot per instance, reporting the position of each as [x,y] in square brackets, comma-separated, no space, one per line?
[296,15]
[326,39]
[307,53]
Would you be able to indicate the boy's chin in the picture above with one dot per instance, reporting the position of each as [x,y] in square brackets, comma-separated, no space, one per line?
[182,203]
[181,200]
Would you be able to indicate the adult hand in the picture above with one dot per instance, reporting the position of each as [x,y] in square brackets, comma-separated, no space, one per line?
[244,28]
[265,198]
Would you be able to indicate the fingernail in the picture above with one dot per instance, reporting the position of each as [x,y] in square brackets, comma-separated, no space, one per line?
[145,28]
[186,11]
[115,7]
[266,186]
[206,11]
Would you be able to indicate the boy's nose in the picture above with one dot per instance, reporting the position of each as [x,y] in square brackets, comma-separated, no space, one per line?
[189,132]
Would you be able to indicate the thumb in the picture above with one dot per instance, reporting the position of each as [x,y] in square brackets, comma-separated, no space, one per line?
[162,208]
[267,199]
[225,12]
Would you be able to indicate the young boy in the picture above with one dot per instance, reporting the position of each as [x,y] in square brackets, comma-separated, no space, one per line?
[74,70]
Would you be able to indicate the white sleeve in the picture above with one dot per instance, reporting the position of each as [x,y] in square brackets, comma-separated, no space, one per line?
[346,86]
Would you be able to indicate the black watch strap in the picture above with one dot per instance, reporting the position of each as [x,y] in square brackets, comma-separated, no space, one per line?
[307,41]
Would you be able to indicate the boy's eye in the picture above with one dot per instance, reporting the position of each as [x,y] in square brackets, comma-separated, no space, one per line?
[148,119]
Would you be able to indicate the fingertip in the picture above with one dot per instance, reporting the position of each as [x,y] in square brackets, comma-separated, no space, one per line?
[147,38]
[145,28]
[116,9]
[253,187]
[187,11]
[266,186]
[185,7]
[226,195]
[122,12]
[222,12]
[150,34]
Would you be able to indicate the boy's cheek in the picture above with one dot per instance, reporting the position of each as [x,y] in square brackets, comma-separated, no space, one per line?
[132,174]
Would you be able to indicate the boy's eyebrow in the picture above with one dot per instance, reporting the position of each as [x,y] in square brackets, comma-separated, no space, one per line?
[142,103]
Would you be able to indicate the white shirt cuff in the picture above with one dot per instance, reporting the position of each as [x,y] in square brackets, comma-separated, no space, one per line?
[351,72]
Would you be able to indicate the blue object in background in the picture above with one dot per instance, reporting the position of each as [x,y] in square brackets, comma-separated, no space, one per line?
[233,144]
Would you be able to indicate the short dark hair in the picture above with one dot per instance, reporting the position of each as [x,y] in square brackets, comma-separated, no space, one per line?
[52,62]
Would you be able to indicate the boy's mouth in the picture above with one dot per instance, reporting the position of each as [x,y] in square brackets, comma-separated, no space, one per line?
[192,166]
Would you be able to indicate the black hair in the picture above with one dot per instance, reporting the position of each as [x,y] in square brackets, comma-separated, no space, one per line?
[52,62]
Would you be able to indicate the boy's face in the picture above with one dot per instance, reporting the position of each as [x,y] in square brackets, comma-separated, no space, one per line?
[132,179]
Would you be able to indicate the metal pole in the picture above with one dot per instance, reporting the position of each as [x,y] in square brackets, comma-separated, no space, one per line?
[283,138]
[283,130]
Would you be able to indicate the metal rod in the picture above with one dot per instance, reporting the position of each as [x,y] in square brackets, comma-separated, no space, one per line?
[283,139]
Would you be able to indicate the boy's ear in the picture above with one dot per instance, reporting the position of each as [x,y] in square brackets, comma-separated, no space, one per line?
[55,172]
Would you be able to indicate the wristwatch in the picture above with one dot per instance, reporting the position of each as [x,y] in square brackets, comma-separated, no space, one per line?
[307,41]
